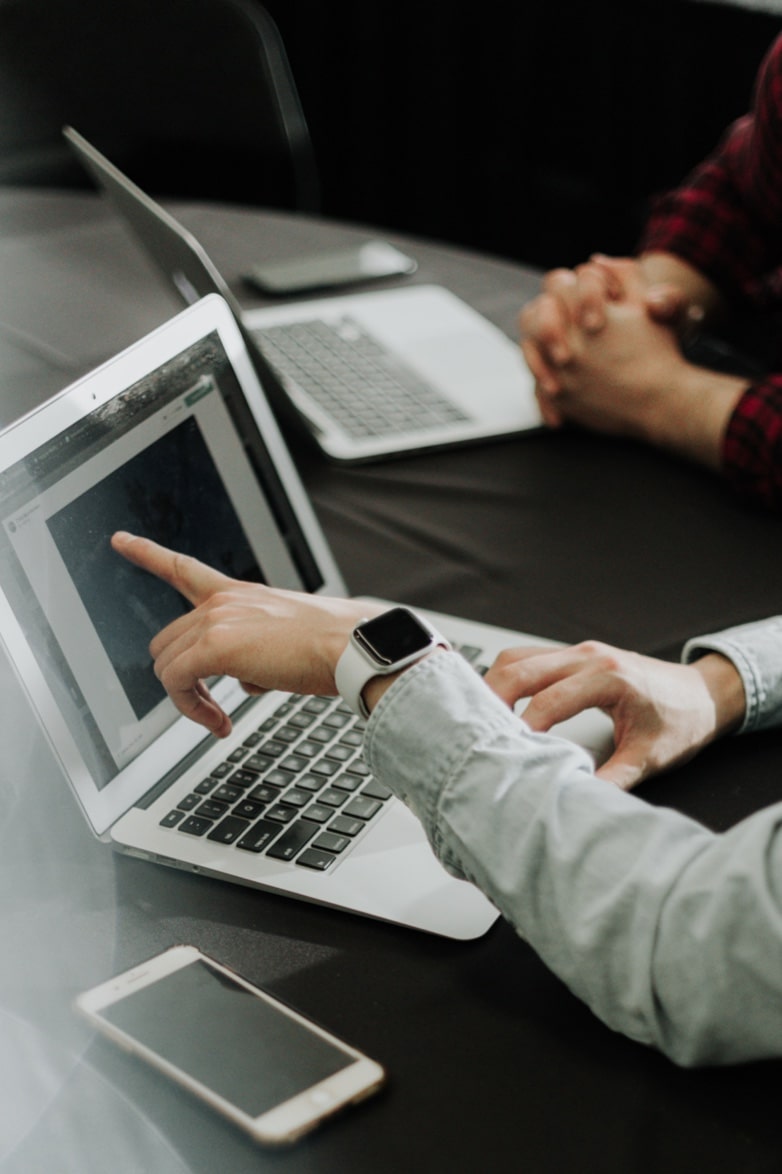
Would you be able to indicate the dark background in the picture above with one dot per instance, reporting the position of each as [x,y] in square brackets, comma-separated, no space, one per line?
[535,131]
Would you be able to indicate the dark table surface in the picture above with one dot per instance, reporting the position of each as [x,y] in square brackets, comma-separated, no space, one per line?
[494,1065]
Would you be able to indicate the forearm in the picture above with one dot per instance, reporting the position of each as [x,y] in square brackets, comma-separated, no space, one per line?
[690,416]
[625,902]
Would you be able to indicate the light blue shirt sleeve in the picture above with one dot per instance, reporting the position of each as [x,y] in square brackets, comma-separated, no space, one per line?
[756,651]
[672,934]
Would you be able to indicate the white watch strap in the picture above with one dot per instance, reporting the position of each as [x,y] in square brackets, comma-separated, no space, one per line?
[356,667]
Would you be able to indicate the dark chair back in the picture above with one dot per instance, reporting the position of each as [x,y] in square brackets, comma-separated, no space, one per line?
[192,98]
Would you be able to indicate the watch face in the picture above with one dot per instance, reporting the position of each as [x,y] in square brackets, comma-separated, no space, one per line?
[393,636]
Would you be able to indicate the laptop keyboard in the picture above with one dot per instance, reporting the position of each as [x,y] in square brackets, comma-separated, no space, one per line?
[360,384]
[296,790]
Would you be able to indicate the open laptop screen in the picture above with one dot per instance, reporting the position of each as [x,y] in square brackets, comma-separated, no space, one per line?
[176,457]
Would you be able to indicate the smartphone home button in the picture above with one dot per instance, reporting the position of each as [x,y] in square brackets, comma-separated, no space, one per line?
[322,1098]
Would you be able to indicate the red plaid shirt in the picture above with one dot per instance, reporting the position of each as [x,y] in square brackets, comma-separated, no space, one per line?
[726,221]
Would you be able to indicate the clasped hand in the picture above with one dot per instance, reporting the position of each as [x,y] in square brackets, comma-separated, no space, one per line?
[603,346]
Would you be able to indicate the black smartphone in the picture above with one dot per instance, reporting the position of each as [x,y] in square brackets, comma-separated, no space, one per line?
[326,270]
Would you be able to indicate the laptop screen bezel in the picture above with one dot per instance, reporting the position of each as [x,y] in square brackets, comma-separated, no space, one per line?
[104,805]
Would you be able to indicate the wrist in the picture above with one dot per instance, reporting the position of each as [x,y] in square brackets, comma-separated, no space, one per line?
[381,647]
[726,689]
[690,415]
[377,686]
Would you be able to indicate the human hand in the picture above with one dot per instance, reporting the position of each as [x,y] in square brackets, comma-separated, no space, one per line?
[579,298]
[265,637]
[662,713]
[631,379]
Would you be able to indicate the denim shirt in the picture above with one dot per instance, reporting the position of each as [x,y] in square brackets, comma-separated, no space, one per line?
[670,932]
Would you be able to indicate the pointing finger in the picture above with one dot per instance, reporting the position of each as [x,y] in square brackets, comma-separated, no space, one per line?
[191,578]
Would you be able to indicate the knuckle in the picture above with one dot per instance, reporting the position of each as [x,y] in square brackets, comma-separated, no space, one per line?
[606,658]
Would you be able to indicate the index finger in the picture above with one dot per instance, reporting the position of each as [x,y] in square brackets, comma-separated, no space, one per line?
[191,578]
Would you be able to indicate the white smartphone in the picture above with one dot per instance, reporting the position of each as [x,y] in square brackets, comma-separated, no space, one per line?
[345,266]
[270,1070]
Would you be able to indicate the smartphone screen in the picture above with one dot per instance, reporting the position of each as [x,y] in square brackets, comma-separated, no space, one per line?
[236,1043]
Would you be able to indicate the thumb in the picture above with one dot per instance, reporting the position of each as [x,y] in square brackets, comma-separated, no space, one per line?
[624,769]
[665,302]
[191,578]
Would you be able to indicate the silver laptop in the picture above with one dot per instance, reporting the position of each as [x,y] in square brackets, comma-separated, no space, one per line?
[174,439]
[370,375]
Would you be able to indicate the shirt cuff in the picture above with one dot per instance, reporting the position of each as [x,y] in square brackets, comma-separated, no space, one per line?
[752,446]
[755,650]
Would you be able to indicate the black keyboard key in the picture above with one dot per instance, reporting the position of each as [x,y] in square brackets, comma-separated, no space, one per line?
[227,793]
[315,858]
[196,825]
[293,840]
[310,782]
[188,802]
[296,798]
[248,809]
[258,763]
[302,721]
[340,753]
[281,814]
[363,807]
[259,836]
[360,768]
[273,748]
[264,794]
[211,809]
[173,818]
[331,843]
[243,778]
[332,797]
[288,734]
[279,778]
[377,790]
[316,705]
[318,813]
[344,826]
[228,830]
[347,783]
[337,720]
[325,768]
[321,734]
[294,763]
[206,786]
[308,749]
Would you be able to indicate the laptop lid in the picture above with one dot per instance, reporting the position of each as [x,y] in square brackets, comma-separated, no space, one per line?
[452,376]
[177,420]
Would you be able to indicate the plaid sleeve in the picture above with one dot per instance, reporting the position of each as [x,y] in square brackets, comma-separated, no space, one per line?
[726,219]
[752,448]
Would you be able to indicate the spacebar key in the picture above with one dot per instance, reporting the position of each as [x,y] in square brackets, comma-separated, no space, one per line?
[296,836]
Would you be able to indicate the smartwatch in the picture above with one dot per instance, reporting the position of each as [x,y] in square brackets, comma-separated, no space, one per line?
[381,646]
